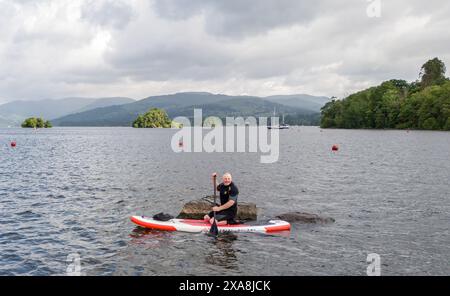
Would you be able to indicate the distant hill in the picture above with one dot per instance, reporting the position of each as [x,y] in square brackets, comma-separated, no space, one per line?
[308,102]
[182,104]
[13,113]
[5,122]
[124,115]
[252,106]
[239,106]
[105,102]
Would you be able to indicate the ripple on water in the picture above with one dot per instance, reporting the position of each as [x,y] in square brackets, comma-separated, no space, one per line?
[5,238]
[28,215]
[387,196]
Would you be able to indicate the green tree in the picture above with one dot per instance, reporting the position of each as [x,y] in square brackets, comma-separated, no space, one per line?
[34,122]
[330,112]
[29,123]
[407,117]
[154,118]
[430,124]
[432,73]
[396,104]
[447,125]
[40,123]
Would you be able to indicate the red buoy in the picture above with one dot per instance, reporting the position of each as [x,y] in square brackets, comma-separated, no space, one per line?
[335,147]
[13,144]
[180,144]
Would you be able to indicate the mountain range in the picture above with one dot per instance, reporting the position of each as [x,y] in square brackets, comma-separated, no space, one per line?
[183,104]
[119,111]
[13,113]
[308,102]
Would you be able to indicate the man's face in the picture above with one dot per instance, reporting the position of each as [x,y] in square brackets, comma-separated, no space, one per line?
[226,179]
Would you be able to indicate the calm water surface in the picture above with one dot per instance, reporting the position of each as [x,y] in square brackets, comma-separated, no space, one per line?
[72,190]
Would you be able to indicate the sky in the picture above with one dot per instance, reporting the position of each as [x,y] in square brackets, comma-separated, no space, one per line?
[138,48]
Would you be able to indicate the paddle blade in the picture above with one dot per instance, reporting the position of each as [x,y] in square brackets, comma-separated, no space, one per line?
[214,230]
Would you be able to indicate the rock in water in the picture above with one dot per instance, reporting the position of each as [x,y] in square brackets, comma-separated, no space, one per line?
[197,209]
[304,218]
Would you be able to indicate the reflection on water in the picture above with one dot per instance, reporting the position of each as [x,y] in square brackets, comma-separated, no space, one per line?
[150,238]
[222,253]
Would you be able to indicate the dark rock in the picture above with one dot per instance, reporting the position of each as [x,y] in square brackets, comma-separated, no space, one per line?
[304,218]
[197,209]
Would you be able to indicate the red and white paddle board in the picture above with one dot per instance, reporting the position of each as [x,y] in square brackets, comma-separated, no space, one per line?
[189,225]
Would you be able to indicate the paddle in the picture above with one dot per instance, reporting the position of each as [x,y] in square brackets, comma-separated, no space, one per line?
[214,230]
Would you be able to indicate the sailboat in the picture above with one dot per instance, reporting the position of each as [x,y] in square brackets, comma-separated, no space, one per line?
[281,126]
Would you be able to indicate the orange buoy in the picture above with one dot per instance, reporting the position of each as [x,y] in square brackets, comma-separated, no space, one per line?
[13,144]
[335,147]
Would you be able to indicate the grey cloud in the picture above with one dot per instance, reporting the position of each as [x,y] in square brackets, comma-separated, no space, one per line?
[113,13]
[171,63]
[322,47]
[179,10]
[241,18]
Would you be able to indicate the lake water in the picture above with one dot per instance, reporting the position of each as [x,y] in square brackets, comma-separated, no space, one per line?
[71,191]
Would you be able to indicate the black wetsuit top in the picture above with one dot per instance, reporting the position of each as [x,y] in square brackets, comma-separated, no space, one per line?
[227,193]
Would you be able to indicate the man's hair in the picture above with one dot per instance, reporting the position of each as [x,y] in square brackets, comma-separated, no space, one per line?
[227,174]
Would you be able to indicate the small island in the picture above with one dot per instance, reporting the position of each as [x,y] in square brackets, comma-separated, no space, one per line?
[154,118]
[396,104]
[36,122]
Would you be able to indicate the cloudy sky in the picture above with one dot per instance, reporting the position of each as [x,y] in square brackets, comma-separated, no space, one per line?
[138,48]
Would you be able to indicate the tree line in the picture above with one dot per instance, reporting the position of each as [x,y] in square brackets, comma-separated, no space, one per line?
[158,118]
[396,104]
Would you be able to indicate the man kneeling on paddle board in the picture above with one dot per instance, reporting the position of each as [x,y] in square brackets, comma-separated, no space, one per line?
[225,213]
